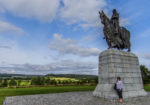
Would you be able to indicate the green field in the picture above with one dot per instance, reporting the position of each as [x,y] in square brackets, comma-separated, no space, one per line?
[147,87]
[41,90]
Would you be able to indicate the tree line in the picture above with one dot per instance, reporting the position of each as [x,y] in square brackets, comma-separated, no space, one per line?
[145,72]
[45,81]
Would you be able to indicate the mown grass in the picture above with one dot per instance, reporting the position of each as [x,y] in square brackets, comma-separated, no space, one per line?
[147,87]
[40,90]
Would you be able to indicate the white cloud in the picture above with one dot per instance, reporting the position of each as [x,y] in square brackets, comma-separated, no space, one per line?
[11,52]
[124,21]
[13,55]
[61,67]
[90,37]
[5,46]
[17,55]
[145,62]
[6,27]
[144,58]
[144,55]
[84,12]
[69,46]
[44,10]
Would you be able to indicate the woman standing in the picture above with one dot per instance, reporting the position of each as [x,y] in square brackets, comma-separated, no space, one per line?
[119,87]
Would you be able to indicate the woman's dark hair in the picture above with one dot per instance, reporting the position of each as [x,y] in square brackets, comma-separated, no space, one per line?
[118,78]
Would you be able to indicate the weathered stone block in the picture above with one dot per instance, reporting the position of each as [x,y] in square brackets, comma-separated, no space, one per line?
[112,80]
[119,70]
[112,75]
[128,80]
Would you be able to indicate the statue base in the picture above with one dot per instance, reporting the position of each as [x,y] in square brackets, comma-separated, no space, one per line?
[114,63]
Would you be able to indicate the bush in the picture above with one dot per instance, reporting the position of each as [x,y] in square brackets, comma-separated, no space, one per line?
[37,80]
[47,81]
[4,83]
[12,82]
[145,74]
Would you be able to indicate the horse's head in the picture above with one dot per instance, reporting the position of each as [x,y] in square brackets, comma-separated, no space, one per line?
[102,17]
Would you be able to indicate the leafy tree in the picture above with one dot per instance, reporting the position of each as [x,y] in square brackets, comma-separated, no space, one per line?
[66,82]
[96,80]
[145,74]
[84,80]
[59,82]
[47,81]
[19,82]
[4,83]
[12,82]
[37,81]
[53,82]
[144,71]
[1,80]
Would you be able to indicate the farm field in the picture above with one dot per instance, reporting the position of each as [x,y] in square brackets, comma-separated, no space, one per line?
[63,78]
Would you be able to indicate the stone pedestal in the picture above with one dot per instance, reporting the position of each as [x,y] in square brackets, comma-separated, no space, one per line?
[114,63]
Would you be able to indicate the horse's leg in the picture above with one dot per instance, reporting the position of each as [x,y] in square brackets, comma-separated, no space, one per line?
[129,49]
[109,43]
[129,46]
[109,46]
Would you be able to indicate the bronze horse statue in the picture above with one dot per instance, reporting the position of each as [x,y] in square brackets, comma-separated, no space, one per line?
[121,40]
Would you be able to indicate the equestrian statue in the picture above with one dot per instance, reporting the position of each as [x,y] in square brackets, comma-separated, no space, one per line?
[116,36]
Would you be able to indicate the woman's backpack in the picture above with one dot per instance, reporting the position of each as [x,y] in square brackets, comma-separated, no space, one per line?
[115,86]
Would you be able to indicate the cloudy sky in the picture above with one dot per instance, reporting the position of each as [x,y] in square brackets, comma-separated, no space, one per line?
[65,36]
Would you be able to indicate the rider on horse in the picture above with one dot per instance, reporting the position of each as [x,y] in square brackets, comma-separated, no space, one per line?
[115,21]
[116,36]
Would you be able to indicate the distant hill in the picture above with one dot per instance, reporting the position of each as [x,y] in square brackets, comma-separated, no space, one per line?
[52,75]
[16,75]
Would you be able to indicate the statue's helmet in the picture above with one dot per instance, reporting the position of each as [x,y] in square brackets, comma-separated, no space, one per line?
[114,11]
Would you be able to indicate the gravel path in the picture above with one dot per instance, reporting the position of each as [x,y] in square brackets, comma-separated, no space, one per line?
[71,98]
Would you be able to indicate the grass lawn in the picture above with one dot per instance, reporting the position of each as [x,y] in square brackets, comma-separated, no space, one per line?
[147,87]
[44,90]
[40,90]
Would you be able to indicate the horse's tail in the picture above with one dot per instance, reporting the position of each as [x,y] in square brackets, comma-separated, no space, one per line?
[125,37]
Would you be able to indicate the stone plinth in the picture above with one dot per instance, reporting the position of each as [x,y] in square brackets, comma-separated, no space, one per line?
[114,63]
